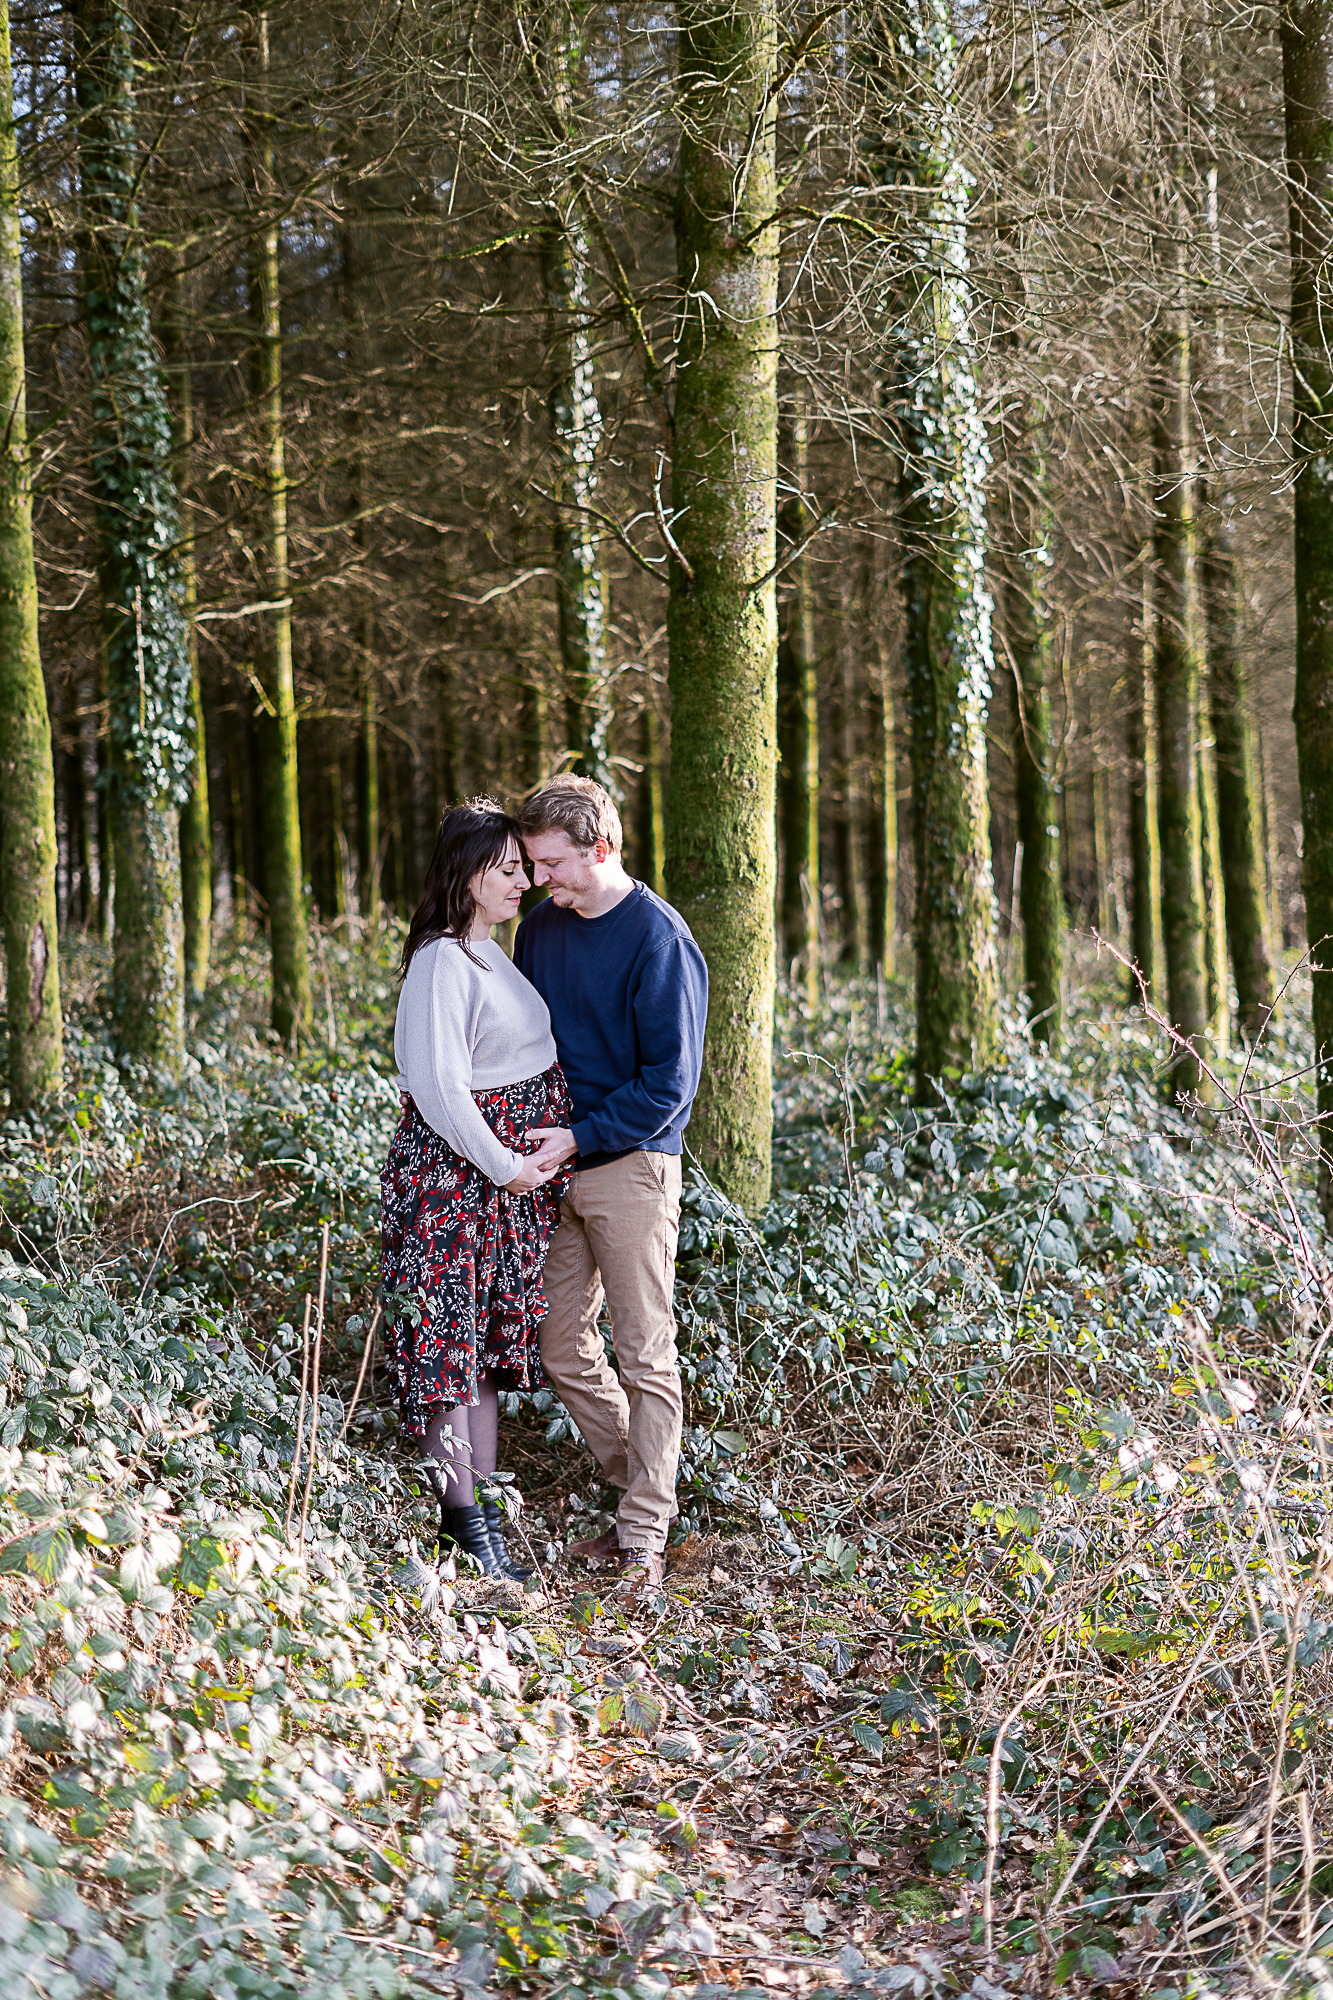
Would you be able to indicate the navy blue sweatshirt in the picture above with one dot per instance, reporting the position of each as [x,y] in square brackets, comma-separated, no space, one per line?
[628,994]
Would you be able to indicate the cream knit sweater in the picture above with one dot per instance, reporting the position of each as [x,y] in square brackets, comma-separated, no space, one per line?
[464,1026]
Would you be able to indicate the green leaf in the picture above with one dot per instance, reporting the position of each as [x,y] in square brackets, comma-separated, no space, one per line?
[199,1562]
[609,1709]
[729,1442]
[48,1551]
[869,1739]
[642,1711]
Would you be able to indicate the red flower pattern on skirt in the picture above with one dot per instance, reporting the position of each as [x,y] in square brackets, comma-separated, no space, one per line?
[461,1259]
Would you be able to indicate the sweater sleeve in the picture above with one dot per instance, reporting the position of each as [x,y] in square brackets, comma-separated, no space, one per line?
[670,1008]
[437,1063]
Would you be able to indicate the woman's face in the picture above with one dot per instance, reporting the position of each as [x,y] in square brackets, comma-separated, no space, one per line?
[497,890]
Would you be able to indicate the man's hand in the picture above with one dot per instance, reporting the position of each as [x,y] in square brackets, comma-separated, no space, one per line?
[557,1145]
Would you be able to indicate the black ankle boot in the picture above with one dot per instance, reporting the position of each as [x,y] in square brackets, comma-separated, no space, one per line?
[494,1515]
[463,1531]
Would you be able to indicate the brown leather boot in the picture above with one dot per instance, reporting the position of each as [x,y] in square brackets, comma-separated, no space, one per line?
[638,1570]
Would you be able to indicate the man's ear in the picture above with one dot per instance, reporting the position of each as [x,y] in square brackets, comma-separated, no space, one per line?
[601,849]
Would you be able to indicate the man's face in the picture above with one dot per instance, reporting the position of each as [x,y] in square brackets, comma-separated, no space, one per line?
[566,870]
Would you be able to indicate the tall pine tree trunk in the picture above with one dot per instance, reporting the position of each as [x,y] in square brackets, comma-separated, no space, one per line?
[1214,887]
[1307,87]
[882,871]
[947,643]
[1238,806]
[576,432]
[27,792]
[1040,888]
[798,708]
[196,828]
[283,877]
[1176,671]
[722,613]
[138,543]
[367,679]
[1145,854]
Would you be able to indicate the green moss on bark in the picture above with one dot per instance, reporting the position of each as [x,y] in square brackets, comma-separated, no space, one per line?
[27,793]
[798,710]
[1145,854]
[1041,891]
[196,829]
[1307,83]
[722,616]
[138,551]
[284,885]
[1176,671]
[947,643]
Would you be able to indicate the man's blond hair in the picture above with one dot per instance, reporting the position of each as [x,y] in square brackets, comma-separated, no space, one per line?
[578,807]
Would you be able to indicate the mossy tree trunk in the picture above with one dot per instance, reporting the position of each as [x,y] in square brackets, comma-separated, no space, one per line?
[1238,809]
[722,612]
[196,828]
[1036,795]
[798,705]
[1210,863]
[138,551]
[1307,86]
[947,641]
[367,779]
[27,790]
[652,840]
[882,871]
[1238,806]
[1177,667]
[575,439]
[284,886]
[1145,854]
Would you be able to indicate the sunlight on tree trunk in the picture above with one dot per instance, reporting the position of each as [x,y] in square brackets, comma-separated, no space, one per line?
[284,886]
[27,792]
[1307,82]
[722,613]
[1176,671]
[1040,888]
[798,708]
[948,609]
[576,435]
[138,542]
[1145,854]
[196,829]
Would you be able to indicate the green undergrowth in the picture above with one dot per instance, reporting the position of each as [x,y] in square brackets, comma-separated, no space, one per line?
[1005,1428]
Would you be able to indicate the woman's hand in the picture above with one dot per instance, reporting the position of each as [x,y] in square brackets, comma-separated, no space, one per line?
[533,1173]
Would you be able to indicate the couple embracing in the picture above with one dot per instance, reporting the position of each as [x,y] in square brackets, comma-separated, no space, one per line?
[536,1168]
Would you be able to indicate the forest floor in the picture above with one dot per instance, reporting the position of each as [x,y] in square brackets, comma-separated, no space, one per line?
[993,1650]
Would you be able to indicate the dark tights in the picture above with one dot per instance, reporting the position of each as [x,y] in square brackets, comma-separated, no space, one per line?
[462,1441]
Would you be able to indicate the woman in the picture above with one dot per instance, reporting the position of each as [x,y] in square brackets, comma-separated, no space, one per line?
[466,1215]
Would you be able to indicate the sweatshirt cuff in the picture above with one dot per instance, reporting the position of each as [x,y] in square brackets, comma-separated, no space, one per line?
[503,1180]
[584,1137]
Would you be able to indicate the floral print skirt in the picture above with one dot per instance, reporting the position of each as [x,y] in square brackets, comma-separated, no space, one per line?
[461,1259]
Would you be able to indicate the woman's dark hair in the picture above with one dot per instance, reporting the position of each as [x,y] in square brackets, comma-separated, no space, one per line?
[472,837]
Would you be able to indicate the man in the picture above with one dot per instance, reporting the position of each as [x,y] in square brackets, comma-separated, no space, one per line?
[628,992]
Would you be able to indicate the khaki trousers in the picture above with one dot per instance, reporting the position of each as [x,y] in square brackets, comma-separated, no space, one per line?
[617,1238]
